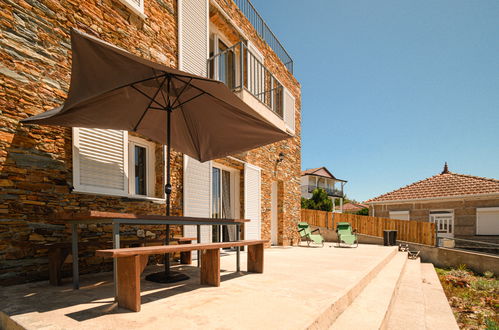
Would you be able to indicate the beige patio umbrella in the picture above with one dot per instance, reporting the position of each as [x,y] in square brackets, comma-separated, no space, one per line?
[113,89]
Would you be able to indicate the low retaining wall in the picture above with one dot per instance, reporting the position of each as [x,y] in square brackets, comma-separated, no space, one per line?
[439,256]
[444,257]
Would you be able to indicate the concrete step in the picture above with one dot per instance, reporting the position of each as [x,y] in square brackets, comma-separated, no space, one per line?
[369,309]
[350,293]
[408,308]
[438,313]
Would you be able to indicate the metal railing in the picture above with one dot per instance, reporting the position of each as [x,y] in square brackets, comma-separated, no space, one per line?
[330,191]
[239,68]
[265,32]
[468,244]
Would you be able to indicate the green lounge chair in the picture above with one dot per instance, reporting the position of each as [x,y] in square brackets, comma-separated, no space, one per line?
[308,235]
[346,234]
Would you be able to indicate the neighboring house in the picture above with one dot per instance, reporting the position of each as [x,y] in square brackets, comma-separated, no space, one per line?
[354,207]
[321,178]
[462,206]
[44,170]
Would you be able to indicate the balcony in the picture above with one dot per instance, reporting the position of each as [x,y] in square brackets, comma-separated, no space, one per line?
[333,192]
[245,74]
[265,32]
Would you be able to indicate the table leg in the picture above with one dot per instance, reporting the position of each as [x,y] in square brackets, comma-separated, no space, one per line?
[198,233]
[238,250]
[116,245]
[74,251]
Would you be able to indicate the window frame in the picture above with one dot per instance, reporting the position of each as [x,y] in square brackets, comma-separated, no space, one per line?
[150,165]
[93,190]
[136,9]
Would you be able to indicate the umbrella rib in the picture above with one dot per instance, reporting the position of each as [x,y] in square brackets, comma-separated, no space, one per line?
[181,92]
[192,98]
[150,103]
[162,94]
[199,89]
[177,96]
[148,97]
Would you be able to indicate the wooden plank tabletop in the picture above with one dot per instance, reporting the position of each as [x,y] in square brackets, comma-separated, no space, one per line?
[148,250]
[99,216]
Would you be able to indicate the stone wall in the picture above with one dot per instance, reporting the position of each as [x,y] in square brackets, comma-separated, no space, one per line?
[464,212]
[286,173]
[36,161]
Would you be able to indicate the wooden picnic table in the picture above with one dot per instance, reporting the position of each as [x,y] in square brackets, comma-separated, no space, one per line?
[117,219]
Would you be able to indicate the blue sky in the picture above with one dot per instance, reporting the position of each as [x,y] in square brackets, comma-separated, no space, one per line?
[391,89]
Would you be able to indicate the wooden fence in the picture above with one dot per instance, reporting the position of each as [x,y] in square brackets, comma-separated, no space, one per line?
[409,231]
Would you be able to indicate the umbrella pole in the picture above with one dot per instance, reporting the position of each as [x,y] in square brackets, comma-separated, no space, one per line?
[168,187]
[167,276]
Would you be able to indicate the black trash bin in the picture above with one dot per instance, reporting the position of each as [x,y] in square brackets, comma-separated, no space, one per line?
[393,237]
[389,237]
[386,237]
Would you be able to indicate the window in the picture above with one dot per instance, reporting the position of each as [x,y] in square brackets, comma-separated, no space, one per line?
[444,222]
[136,6]
[111,162]
[141,166]
[222,202]
[399,215]
[487,221]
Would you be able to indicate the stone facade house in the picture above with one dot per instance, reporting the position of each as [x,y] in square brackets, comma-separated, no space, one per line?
[320,177]
[45,170]
[462,206]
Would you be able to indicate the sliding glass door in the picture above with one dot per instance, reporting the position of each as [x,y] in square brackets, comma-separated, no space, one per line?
[222,204]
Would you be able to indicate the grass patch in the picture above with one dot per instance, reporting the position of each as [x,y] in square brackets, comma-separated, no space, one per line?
[474,298]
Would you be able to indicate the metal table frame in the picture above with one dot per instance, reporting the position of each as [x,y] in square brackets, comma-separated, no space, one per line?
[116,222]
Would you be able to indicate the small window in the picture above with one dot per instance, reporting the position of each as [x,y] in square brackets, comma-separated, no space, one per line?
[140,170]
[141,165]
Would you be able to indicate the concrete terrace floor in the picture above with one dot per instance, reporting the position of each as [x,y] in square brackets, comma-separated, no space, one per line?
[300,287]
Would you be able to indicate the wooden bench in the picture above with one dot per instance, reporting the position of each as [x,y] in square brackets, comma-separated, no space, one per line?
[58,252]
[132,261]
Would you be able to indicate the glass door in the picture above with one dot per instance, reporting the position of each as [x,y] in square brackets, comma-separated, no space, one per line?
[221,205]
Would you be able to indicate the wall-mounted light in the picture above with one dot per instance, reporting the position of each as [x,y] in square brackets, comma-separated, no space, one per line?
[281,157]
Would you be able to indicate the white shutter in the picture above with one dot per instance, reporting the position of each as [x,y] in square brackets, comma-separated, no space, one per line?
[193,36]
[197,191]
[252,200]
[100,161]
[289,110]
[487,221]
[399,215]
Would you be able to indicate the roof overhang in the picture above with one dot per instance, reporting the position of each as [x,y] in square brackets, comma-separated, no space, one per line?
[429,199]
[325,177]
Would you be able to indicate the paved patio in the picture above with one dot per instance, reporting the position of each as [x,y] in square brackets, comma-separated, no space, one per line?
[300,287]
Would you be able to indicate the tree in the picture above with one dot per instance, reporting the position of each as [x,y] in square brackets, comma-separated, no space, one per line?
[319,201]
[364,211]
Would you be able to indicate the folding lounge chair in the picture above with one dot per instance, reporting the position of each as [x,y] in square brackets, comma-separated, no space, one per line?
[346,234]
[308,235]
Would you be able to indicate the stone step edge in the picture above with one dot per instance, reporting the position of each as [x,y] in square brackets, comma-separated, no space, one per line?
[433,292]
[411,283]
[369,309]
[395,292]
[331,313]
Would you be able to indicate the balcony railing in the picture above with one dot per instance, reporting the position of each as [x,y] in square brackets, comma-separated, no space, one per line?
[265,32]
[333,192]
[239,69]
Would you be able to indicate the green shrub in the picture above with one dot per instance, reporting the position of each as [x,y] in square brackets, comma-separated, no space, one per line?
[488,274]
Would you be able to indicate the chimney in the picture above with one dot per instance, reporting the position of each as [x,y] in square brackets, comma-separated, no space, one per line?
[446,169]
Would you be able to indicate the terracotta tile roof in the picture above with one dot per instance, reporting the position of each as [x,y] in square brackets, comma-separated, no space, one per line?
[445,184]
[353,206]
[320,171]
